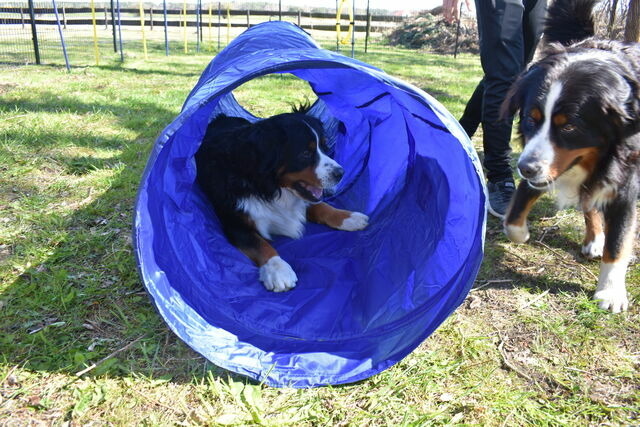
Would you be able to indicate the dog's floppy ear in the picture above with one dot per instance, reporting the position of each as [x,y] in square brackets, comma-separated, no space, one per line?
[514,99]
[263,143]
[621,102]
[632,106]
[254,153]
[528,82]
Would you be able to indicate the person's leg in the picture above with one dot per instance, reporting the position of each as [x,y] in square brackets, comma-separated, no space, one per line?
[533,25]
[472,115]
[502,57]
[500,25]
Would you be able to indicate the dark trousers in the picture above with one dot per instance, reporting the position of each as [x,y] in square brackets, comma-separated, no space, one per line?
[509,32]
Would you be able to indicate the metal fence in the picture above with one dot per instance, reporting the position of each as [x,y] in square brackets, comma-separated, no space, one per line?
[58,32]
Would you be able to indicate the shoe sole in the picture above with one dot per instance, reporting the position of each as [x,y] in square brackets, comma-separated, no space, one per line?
[494,213]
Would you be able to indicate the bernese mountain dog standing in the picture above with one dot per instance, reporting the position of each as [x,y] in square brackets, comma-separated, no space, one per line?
[579,107]
[267,178]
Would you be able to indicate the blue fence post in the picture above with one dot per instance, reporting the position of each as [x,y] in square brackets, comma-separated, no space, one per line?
[166,36]
[64,46]
[337,23]
[198,26]
[353,28]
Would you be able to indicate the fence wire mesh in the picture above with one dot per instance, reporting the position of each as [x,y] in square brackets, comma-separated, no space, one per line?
[15,34]
[105,31]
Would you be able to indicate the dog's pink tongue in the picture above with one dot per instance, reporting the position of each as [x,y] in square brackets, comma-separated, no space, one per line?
[316,191]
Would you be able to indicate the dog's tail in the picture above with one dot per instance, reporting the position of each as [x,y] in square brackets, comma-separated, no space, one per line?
[569,21]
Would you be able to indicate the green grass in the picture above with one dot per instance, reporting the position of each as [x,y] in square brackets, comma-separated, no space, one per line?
[528,346]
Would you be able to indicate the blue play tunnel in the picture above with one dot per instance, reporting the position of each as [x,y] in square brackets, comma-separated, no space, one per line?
[365,299]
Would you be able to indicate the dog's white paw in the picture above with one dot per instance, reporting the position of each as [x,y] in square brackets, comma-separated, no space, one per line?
[277,275]
[594,248]
[517,233]
[611,291]
[357,221]
[614,300]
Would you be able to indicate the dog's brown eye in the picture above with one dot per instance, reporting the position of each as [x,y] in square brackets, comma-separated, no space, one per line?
[568,128]
[535,115]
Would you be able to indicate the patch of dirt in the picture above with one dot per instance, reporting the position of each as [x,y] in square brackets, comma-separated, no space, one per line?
[534,301]
[7,87]
[430,31]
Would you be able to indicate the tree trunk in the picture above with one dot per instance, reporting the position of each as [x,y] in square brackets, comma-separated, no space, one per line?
[612,18]
[632,27]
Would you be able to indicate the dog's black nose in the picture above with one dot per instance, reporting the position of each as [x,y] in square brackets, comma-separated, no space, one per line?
[337,174]
[529,169]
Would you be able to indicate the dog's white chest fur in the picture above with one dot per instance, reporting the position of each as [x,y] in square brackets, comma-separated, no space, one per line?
[567,187]
[284,216]
[568,191]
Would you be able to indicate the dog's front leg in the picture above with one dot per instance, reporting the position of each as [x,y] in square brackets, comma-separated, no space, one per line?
[620,225]
[275,273]
[593,243]
[339,219]
[515,223]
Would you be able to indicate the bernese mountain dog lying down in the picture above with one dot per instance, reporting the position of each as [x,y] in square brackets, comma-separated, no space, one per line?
[267,178]
[579,109]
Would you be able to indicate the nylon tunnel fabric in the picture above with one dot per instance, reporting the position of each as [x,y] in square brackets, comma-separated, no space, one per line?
[365,299]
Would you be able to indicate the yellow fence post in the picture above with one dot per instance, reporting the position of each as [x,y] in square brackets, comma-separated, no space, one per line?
[95,34]
[228,23]
[346,39]
[144,39]
[210,17]
[184,22]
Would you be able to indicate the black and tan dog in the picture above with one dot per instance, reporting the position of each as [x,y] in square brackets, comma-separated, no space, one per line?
[579,109]
[267,178]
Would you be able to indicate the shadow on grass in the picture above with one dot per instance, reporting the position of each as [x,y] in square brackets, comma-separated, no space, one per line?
[120,67]
[85,301]
[441,95]
[132,117]
[503,260]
